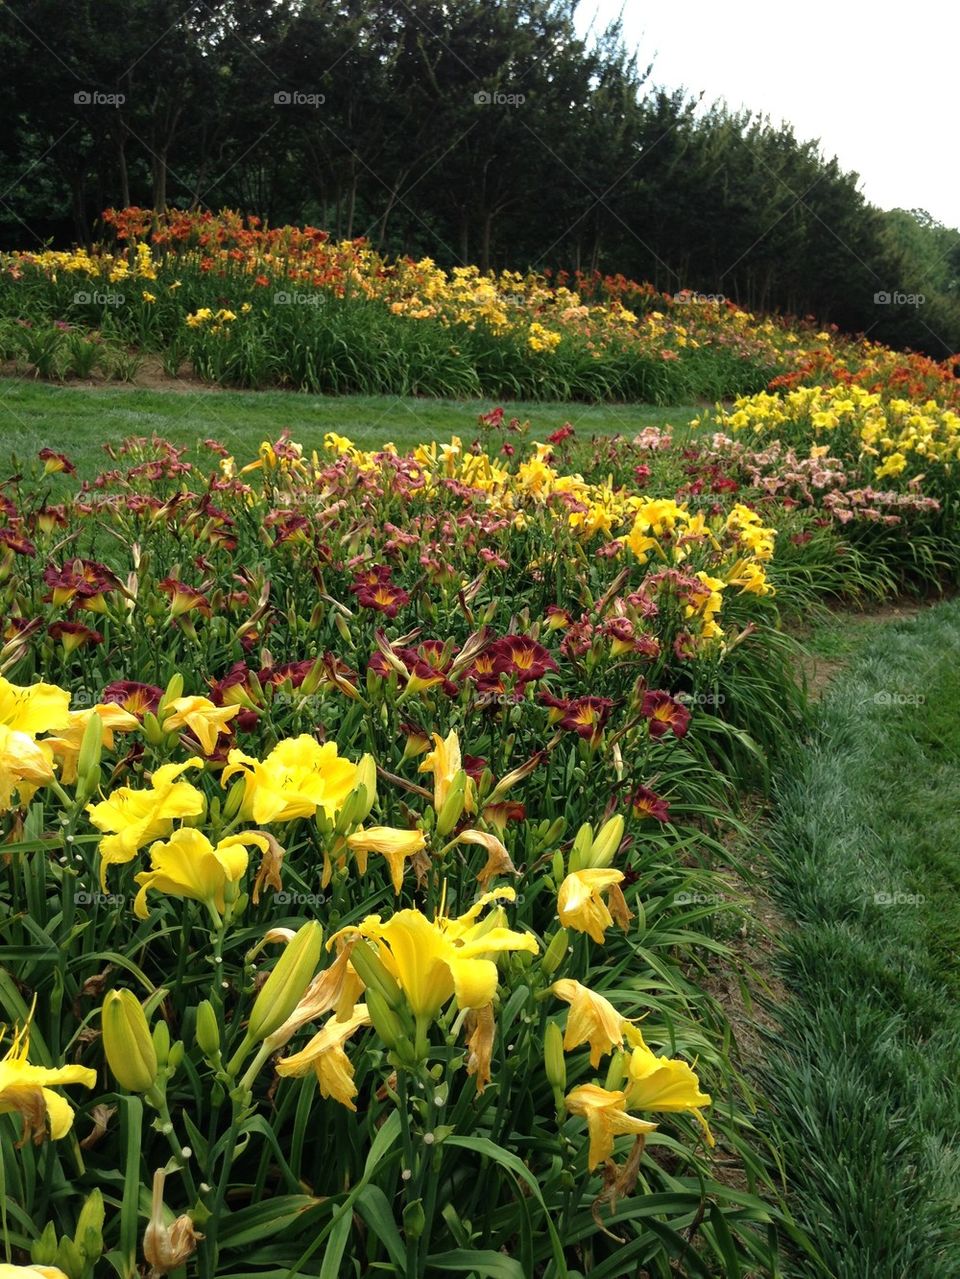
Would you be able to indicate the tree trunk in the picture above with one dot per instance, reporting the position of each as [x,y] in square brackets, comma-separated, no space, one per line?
[124,173]
[485,242]
[160,181]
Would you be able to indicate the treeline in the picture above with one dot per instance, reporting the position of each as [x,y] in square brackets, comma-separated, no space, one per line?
[483,131]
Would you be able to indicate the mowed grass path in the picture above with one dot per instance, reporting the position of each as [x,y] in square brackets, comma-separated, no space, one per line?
[78,420]
[863,1077]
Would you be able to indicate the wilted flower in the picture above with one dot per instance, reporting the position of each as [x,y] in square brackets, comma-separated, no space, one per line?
[325,1056]
[581,905]
[606,1116]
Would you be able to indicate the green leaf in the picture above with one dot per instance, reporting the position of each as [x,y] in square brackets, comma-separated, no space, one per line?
[374,1207]
[723,1240]
[333,1254]
[480,1262]
[260,1221]
[510,1161]
[131,1124]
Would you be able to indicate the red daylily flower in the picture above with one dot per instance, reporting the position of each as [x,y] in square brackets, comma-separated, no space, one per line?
[664,713]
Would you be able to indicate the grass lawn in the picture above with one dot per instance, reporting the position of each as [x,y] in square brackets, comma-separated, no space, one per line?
[77,420]
[863,1075]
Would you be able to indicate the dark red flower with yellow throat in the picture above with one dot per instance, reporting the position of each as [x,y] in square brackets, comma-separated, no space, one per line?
[664,713]
[521,658]
[587,716]
[647,803]
[133,697]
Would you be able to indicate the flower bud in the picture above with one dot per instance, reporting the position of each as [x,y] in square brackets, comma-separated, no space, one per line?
[368,967]
[414,1219]
[208,1031]
[89,1233]
[151,729]
[385,1021]
[606,844]
[173,690]
[43,1251]
[452,809]
[554,954]
[581,847]
[231,805]
[127,1044]
[367,777]
[88,760]
[69,1258]
[616,1072]
[161,1043]
[340,622]
[281,992]
[553,1059]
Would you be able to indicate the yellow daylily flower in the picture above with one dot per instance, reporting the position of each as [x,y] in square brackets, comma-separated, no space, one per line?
[66,744]
[297,778]
[30,1272]
[444,762]
[28,1090]
[24,765]
[606,1118]
[591,1019]
[188,865]
[325,1055]
[34,708]
[581,906]
[664,1083]
[134,818]
[434,960]
[394,845]
[201,717]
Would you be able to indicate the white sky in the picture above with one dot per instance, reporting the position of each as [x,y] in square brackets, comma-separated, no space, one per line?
[877,83]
